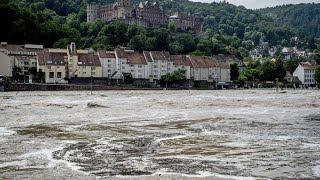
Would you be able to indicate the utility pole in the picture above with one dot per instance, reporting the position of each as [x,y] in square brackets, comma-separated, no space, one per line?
[91,85]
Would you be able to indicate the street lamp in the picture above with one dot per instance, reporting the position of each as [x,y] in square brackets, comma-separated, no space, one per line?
[253,82]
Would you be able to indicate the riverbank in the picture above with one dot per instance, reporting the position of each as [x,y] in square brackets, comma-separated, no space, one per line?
[70,87]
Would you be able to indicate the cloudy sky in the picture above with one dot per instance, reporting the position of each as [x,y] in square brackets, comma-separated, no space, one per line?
[254,4]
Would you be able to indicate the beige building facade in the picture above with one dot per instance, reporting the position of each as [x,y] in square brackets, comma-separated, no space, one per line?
[23,56]
[6,64]
[53,65]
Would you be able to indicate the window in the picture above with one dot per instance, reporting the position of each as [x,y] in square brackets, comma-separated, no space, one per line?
[93,68]
[132,70]
[139,70]
[155,66]
[164,71]
[155,71]
[139,66]
[26,68]
[131,65]
[163,66]
[155,61]
[26,63]
[139,76]
[93,73]
[109,60]
[51,75]
[164,61]
[123,67]
[59,75]
[109,70]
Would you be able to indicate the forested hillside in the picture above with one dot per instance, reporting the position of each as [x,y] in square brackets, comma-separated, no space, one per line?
[228,29]
[304,17]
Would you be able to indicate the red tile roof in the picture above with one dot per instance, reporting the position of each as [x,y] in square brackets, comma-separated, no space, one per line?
[51,58]
[307,66]
[202,62]
[136,58]
[88,60]
[106,54]
[180,60]
[14,47]
[160,55]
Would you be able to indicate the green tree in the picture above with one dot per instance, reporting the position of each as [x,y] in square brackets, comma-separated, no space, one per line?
[176,78]
[234,71]
[280,70]
[137,43]
[33,71]
[316,74]
[269,71]
[172,26]
[244,52]
[16,73]
[291,65]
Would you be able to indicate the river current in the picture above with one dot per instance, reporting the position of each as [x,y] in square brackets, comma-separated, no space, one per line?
[231,134]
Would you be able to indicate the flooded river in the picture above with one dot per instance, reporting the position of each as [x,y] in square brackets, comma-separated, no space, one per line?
[152,134]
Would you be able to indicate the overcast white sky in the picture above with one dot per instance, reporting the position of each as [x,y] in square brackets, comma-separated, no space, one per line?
[255,4]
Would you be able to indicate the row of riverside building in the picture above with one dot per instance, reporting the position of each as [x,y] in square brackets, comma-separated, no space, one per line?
[59,65]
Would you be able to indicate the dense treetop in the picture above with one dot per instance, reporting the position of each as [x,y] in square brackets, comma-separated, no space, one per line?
[228,29]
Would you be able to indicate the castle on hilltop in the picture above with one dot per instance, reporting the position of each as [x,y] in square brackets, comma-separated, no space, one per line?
[147,14]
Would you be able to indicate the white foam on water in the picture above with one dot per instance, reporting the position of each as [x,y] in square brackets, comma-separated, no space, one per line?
[5,132]
[310,145]
[13,164]
[316,171]
[199,174]
[201,158]
[236,144]
[170,138]
[47,154]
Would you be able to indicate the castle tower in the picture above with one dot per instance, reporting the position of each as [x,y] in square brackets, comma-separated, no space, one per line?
[124,9]
[124,3]
[93,11]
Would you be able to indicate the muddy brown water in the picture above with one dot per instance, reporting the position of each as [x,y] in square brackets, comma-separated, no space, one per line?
[145,134]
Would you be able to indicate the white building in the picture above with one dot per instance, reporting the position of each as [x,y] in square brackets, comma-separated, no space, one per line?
[181,62]
[108,62]
[161,64]
[305,72]
[23,56]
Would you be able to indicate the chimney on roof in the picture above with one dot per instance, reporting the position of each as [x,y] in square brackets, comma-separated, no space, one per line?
[73,47]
